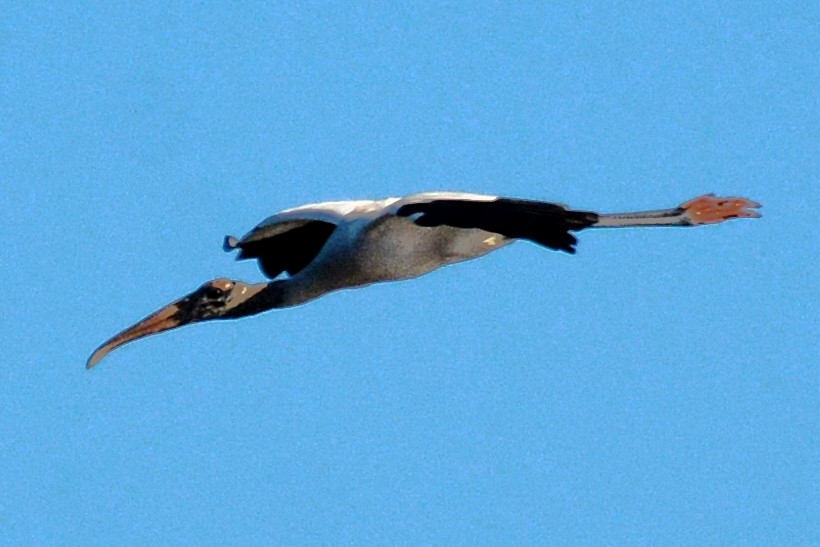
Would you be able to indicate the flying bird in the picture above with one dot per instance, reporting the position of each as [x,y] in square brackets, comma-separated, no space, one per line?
[315,249]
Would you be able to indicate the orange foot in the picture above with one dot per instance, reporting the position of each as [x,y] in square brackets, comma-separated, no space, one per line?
[710,209]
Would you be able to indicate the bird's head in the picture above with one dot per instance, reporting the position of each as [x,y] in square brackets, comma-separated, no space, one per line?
[216,299]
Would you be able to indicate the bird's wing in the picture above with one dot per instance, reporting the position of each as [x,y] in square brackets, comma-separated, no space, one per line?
[289,240]
[548,224]
[284,245]
[332,211]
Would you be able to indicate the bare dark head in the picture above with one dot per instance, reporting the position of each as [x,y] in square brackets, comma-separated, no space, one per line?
[216,299]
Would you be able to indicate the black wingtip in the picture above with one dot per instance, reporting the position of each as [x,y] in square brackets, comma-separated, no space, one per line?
[230,243]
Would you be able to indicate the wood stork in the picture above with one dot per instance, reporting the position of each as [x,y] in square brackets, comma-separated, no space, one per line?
[324,247]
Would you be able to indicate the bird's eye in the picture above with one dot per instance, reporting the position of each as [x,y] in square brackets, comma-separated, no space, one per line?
[214,292]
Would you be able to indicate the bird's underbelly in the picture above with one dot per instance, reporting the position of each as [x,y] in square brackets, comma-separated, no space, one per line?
[396,248]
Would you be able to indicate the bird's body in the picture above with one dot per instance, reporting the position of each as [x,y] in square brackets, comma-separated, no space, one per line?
[315,249]
[346,244]
[362,242]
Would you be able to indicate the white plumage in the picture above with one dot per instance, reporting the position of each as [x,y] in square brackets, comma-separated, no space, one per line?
[338,211]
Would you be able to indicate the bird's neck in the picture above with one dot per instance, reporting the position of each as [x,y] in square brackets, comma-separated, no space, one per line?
[282,293]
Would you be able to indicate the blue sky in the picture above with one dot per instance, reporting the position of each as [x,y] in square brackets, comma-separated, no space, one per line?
[661,387]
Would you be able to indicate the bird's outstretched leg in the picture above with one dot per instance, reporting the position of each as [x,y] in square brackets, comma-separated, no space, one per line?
[707,209]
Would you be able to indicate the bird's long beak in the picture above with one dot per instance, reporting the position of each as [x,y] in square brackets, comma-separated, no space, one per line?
[169,317]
